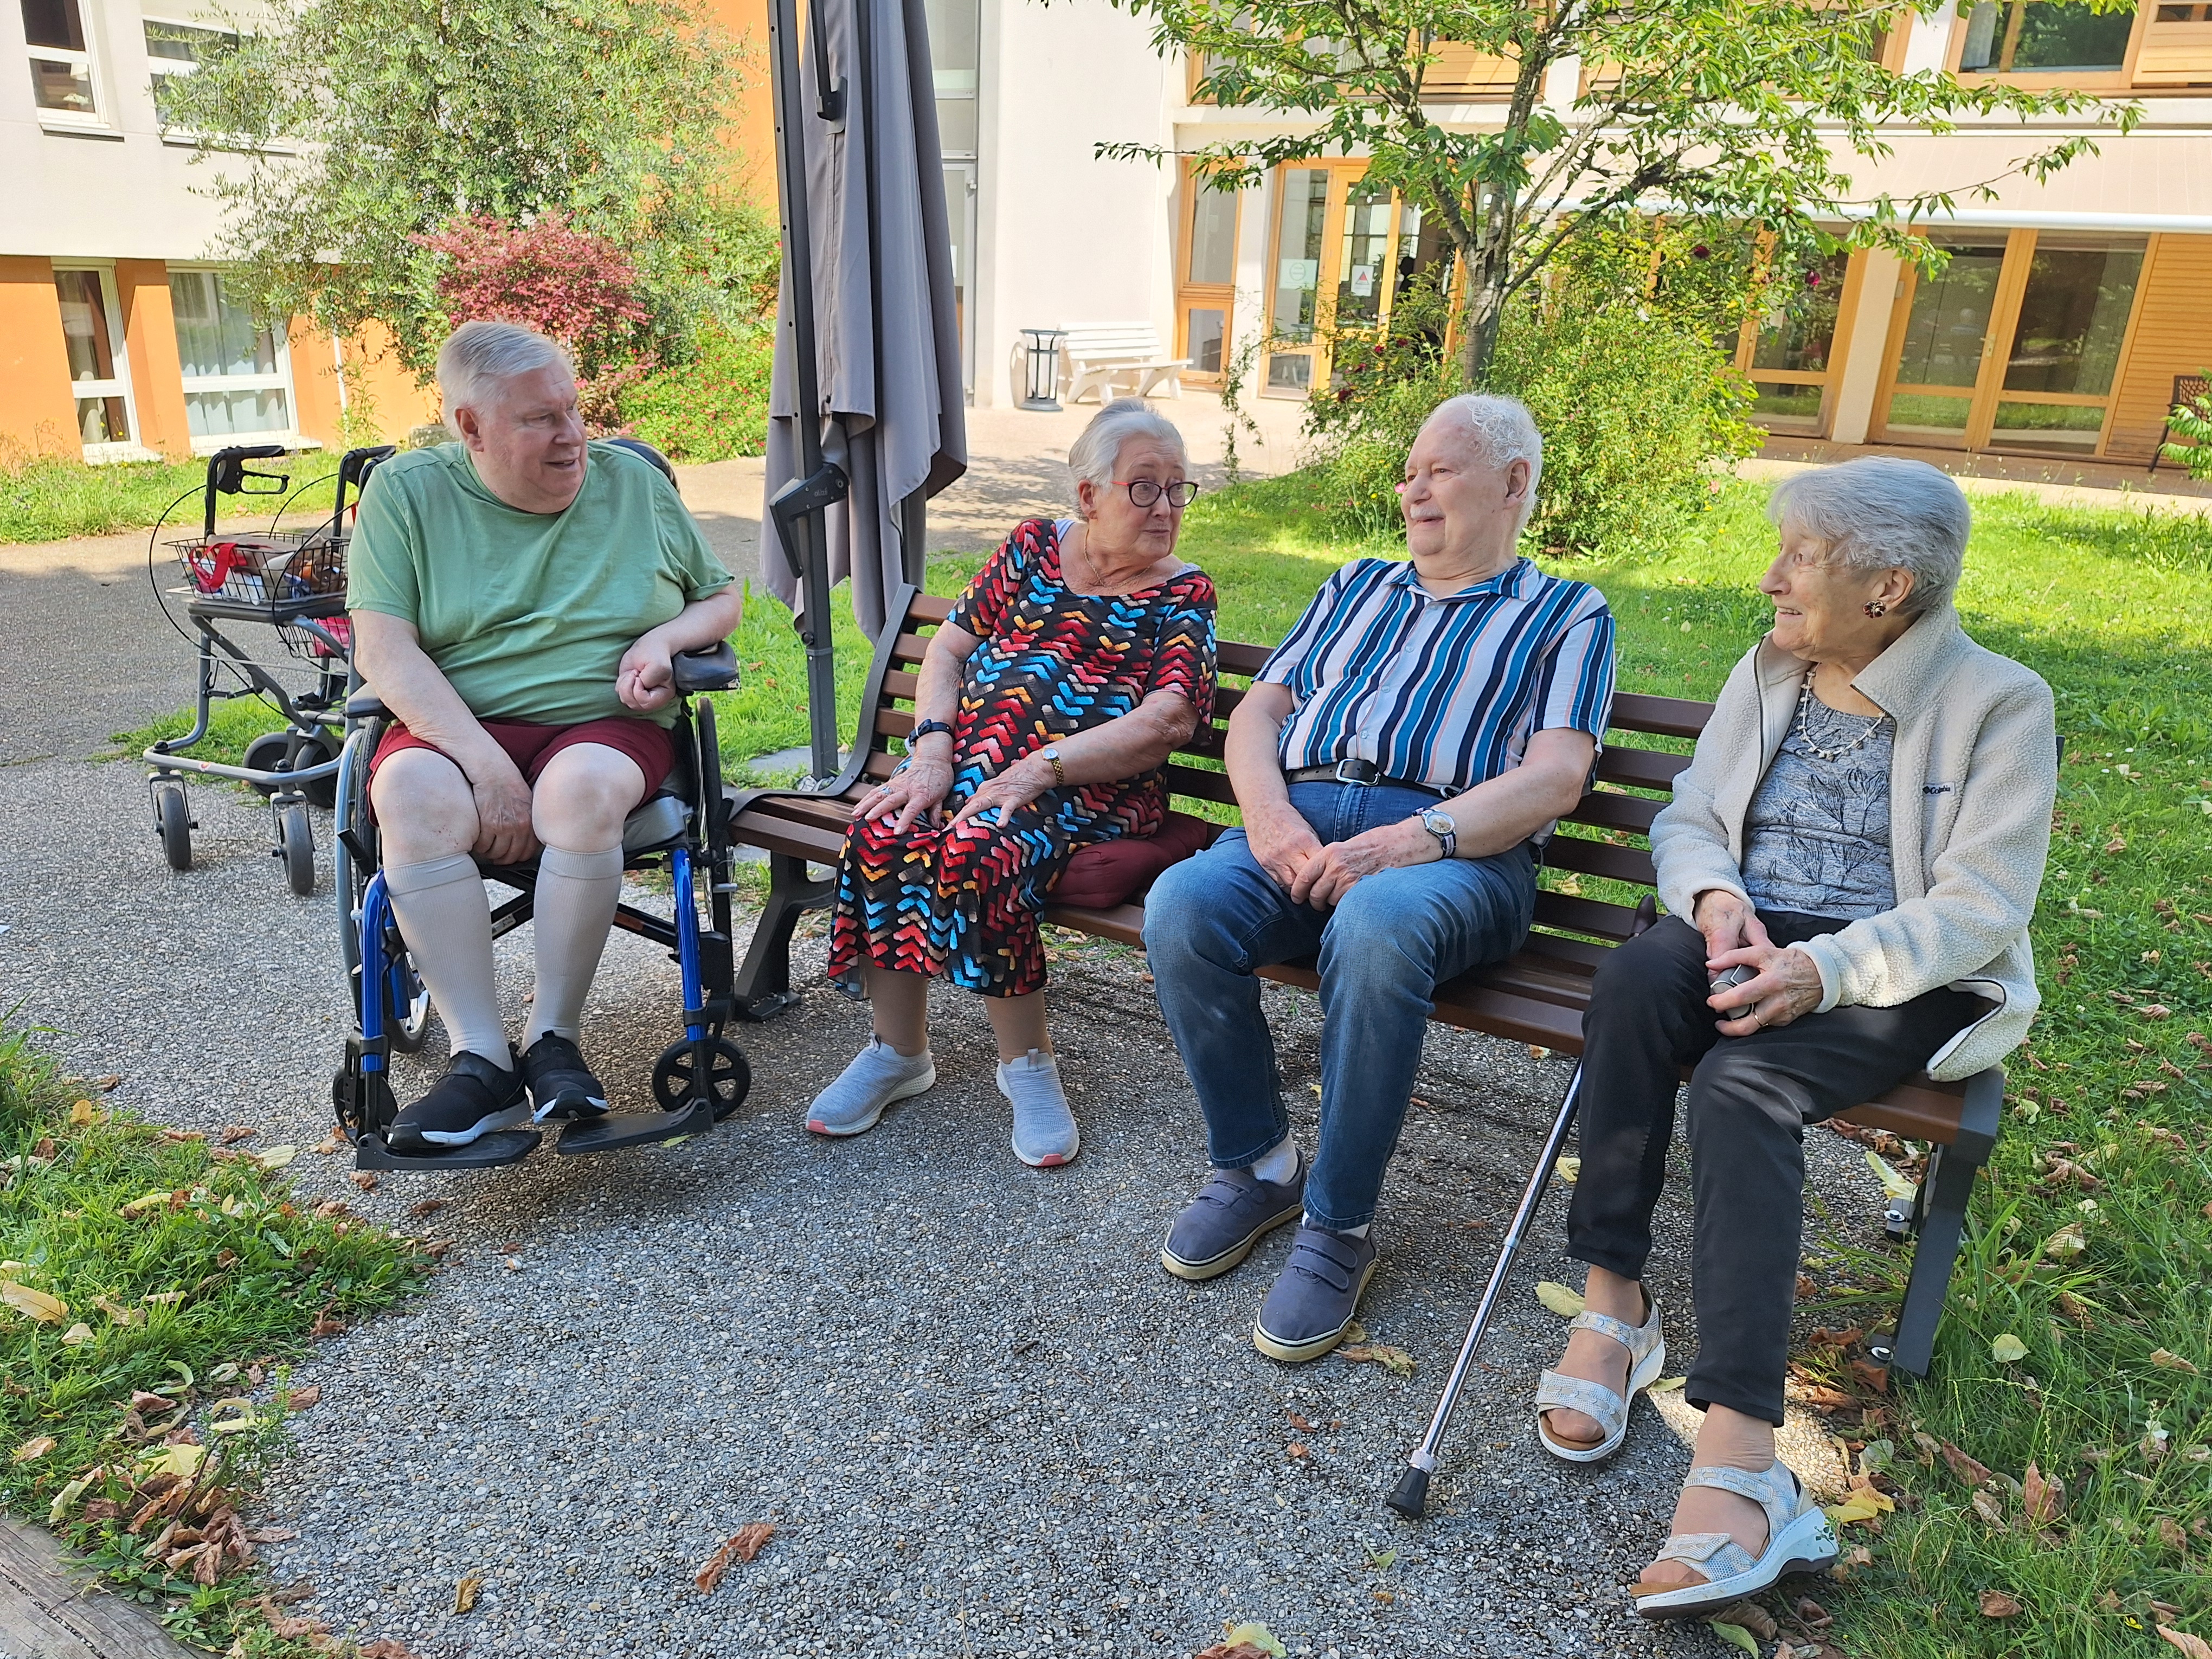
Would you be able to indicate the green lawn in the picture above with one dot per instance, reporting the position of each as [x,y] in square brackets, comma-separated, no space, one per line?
[47,499]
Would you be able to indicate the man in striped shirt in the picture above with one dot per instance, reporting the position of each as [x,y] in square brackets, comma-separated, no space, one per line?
[1398,761]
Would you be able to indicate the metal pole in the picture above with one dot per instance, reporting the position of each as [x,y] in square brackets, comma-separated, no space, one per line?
[813,554]
[1410,1498]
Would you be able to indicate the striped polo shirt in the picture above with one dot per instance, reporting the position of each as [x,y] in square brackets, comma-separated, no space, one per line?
[1442,691]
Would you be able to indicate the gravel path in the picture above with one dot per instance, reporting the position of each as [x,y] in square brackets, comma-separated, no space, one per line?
[981,1420]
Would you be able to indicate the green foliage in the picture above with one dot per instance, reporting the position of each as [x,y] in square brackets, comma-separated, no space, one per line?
[2192,442]
[1738,114]
[339,130]
[187,1275]
[45,498]
[713,407]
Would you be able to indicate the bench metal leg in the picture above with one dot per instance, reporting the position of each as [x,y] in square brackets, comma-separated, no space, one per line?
[1945,1191]
[763,986]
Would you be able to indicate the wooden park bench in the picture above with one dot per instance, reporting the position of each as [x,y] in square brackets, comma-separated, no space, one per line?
[1101,355]
[1535,997]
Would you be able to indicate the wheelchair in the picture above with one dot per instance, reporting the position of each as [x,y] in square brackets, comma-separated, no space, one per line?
[292,581]
[698,1081]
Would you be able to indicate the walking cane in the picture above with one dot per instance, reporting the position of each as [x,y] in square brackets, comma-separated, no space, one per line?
[1410,1497]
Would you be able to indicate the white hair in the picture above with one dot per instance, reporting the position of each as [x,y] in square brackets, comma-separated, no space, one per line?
[1097,452]
[480,355]
[1501,431]
[1882,512]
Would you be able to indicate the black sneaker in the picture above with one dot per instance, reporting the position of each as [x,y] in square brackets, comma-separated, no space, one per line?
[1231,1213]
[473,1098]
[560,1084]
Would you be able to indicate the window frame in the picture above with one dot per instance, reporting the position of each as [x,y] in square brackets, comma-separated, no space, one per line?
[279,379]
[1205,297]
[158,70]
[117,386]
[2119,80]
[1827,379]
[100,116]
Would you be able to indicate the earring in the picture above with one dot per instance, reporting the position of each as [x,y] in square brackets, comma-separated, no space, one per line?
[1876,608]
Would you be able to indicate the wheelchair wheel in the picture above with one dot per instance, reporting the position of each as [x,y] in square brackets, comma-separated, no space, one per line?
[729,1077]
[296,845]
[173,817]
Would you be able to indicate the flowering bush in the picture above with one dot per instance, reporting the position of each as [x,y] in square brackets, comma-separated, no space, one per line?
[571,285]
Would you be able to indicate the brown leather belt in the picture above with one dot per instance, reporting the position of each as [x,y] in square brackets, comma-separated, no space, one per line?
[1362,772]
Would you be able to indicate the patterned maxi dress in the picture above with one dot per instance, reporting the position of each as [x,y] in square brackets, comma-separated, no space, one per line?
[964,901]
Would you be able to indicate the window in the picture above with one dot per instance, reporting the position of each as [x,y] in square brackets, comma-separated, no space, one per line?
[99,375]
[2066,346]
[238,380]
[1792,345]
[1302,217]
[175,49]
[955,56]
[62,79]
[1205,298]
[2038,37]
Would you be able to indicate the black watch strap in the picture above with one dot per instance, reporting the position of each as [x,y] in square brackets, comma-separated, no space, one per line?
[925,728]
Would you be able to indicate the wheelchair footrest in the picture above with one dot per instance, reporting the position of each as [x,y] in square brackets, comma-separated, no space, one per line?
[618,1129]
[488,1152]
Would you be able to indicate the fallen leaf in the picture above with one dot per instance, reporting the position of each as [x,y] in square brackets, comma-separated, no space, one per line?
[65,1499]
[2069,1240]
[1806,1290]
[1894,1185]
[1964,1467]
[1737,1637]
[325,1325]
[33,1304]
[1251,1634]
[385,1648]
[2155,1010]
[1752,1616]
[1570,1170]
[106,1084]
[305,1399]
[183,1461]
[1810,1615]
[2073,1307]
[2008,1350]
[81,1115]
[328,1144]
[1869,1376]
[34,1448]
[76,1335]
[2118,844]
[1863,1504]
[2192,1647]
[273,1535]
[1667,1385]
[1558,1298]
[234,1133]
[118,1313]
[364,1179]
[2042,1496]
[1299,1423]
[1996,1604]
[163,1298]
[426,1207]
[1296,1449]
[276,1157]
[1396,1361]
[742,1546]
[464,1594]
[2172,1362]
[1992,1512]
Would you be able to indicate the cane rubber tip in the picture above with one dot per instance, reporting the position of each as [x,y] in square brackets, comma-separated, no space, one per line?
[1410,1497]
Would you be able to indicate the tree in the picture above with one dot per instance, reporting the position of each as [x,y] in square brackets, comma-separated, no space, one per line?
[1730,113]
[345,137]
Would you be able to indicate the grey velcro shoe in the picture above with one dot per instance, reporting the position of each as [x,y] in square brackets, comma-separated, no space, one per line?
[1232,1212]
[1314,1297]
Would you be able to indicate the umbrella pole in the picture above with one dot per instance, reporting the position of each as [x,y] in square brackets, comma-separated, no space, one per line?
[800,505]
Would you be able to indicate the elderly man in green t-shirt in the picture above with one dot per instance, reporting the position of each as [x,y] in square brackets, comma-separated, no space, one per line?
[516,597]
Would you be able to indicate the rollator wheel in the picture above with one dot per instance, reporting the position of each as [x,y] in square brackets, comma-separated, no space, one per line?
[173,815]
[729,1078]
[296,845]
[267,752]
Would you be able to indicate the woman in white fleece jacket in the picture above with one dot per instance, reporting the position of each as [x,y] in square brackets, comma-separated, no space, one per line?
[1862,833]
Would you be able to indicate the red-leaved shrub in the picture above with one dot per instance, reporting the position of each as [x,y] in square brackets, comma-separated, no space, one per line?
[570,284]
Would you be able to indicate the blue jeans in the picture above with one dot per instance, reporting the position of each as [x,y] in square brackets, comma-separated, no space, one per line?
[1212,921]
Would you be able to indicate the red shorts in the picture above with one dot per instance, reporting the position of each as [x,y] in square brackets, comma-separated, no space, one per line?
[531,746]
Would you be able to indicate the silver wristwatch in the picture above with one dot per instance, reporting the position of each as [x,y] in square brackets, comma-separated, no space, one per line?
[1438,823]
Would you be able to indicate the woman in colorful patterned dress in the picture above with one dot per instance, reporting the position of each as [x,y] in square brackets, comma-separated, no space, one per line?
[1078,660]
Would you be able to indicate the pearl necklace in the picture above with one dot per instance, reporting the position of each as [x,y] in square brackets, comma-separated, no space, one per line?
[1805,708]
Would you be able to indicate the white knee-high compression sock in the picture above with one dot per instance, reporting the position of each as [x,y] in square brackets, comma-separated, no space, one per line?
[446,920]
[576,897]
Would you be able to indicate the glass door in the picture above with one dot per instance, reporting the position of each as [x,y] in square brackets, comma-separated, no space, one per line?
[960,215]
[2015,347]
[1206,297]
[100,372]
[1294,311]
[1791,344]
[1948,324]
[1363,263]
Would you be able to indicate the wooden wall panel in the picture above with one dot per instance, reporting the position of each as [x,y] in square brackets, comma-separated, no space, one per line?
[2172,335]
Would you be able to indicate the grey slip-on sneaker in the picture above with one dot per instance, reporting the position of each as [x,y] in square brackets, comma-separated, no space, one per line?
[1231,1213]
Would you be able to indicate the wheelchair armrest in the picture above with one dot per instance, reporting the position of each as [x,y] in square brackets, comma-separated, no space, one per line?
[713,668]
[365,705]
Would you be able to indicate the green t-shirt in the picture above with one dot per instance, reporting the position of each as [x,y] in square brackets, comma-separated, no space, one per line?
[528,614]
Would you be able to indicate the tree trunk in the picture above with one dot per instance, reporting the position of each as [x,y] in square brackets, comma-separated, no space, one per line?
[1489,272]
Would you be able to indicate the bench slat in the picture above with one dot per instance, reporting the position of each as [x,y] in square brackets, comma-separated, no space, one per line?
[1640,768]
[1600,858]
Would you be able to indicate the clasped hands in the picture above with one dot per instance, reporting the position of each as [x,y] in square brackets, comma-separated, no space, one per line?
[1786,982]
[917,792]
[1284,844]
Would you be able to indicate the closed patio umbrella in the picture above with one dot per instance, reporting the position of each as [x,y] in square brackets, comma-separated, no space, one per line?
[866,417]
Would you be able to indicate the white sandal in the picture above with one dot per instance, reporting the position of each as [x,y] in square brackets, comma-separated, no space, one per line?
[1647,1356]
[1798,1540]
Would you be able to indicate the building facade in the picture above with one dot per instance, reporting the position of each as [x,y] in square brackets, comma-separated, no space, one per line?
[2057,328]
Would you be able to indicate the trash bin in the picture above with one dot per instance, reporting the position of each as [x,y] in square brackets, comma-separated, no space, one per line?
[1043,387]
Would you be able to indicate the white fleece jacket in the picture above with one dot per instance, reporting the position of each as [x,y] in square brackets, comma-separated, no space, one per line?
[1973,777]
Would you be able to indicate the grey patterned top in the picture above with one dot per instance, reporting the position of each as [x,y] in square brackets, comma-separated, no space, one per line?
[1816,839]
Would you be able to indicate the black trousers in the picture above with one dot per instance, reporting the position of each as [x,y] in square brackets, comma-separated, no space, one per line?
[1750,1100]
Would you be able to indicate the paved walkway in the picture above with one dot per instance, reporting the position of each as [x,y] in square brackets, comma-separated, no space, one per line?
[981,1420]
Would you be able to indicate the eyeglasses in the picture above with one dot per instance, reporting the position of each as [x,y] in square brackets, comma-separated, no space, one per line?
[1143,492]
